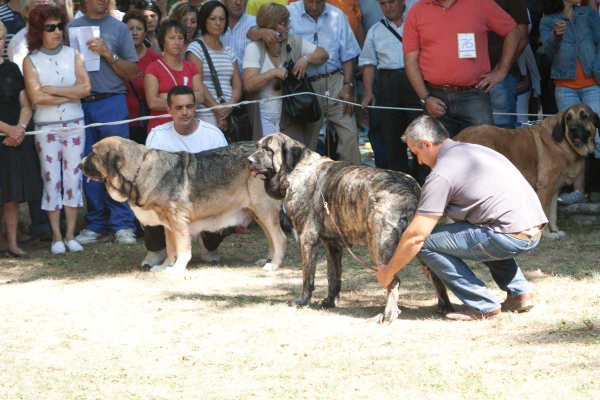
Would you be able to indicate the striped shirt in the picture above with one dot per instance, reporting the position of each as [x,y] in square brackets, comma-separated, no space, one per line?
[223,61]
[236,38]
[14,23]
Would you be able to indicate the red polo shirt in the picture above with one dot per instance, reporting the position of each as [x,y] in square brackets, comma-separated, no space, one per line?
[433,31]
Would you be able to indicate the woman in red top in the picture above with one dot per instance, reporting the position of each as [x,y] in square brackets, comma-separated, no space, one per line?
[171,70]
[138,26]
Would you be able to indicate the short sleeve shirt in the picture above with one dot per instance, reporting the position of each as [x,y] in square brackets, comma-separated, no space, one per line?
[167,79]
[475,184]
[118,39]
[165,137]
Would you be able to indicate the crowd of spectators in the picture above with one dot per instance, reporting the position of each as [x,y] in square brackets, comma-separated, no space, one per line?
[396,53]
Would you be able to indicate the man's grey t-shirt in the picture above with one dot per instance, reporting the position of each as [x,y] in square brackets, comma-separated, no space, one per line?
[475,184]
[118,38]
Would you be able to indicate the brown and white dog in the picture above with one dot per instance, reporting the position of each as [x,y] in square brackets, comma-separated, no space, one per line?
[550,154]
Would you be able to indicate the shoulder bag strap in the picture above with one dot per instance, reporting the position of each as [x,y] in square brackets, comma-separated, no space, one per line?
[213,72]
[394,32]
[169,72]
[134,90]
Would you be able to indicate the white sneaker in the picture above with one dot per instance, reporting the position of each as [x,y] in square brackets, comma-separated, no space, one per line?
[86,237]
[125,236]
[58,248]
[73,246]
[154,258]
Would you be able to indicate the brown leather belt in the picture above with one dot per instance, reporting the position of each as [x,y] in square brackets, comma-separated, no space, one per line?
[449,88]
[96,97]
[318,77]
[526,237]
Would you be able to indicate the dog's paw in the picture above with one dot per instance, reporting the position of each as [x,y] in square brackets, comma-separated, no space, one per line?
[262,262]
[443,308]
[210,256]
[390,314]
[270,267]
[553,235]
[174,270]
[330,302]
[301,301]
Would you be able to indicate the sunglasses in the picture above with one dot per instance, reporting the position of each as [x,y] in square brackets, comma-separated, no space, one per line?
[52,27]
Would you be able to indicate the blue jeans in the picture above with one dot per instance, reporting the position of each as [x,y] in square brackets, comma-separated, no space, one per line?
[104,213]
[448,245]
[590,96]
[504,100]
[465,108]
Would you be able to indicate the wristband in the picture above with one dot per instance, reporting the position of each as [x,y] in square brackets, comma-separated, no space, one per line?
[22,125]
[306,58]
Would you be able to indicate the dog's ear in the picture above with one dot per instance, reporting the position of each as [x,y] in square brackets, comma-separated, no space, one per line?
[112,163]
[558,132]
[597,120]
[292,151]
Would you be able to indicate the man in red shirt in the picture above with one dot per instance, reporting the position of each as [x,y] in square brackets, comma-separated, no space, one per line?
[446,58]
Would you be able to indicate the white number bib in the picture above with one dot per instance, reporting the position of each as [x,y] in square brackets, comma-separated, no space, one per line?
[466,45]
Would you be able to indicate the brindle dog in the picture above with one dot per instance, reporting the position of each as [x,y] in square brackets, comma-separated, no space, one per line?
[370,206]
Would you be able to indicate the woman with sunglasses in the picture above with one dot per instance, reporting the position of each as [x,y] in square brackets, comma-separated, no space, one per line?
[19,180]
[153,18]
[171,70]
[264,69]
[56,80]
[213,21]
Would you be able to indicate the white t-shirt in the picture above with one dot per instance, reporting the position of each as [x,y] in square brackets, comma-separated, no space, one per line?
[270,109]
[165,137]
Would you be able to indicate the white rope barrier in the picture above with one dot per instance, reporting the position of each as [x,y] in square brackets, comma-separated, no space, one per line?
[241,103]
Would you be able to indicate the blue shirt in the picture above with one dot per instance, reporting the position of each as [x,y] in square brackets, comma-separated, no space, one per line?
[331,31]
[118,39]
[236,37]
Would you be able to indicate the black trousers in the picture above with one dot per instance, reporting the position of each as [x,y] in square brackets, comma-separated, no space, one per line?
[154,238]
[395,91]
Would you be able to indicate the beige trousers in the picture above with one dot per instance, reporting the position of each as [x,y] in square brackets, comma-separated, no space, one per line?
[345,125]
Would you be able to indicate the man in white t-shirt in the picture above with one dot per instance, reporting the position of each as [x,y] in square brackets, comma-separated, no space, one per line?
[185,133]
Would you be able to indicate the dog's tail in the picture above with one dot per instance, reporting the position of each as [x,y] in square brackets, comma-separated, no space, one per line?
[286,224]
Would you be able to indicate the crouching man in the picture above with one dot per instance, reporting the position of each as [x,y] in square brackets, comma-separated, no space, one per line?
[497,217]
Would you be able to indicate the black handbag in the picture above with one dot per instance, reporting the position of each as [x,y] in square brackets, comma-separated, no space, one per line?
[302,108]
[144,109]
[238,122]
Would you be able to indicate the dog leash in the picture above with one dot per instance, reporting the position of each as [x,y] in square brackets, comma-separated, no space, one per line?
[338,229]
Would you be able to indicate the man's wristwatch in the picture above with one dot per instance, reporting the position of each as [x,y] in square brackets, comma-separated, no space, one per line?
[349,84]
[115,58]
[424,99]
[22,125]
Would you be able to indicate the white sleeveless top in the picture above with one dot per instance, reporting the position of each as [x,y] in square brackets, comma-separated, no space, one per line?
[56,68]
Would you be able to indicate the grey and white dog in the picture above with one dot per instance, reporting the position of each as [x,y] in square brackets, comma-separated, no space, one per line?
[187,193]
[370,206]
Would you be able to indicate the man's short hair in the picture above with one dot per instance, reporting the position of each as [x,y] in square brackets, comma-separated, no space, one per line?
[180,90]
[25,4]
[425,128]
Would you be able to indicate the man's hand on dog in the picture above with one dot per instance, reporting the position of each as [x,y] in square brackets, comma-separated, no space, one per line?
[384,276]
